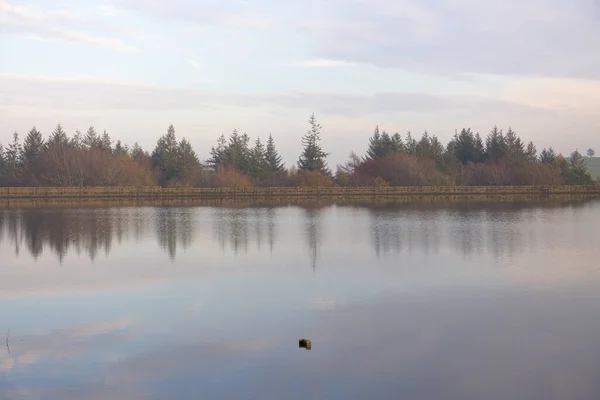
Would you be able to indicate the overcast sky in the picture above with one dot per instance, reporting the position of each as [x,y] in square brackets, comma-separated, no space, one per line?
[133,67]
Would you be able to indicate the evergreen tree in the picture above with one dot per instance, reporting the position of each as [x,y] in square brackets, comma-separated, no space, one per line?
[579,172]
[188,161]
[164,156]
[32,146]
[119,149]
[382,144]
[58,138]
[437,151]
[495,145]
[77,140]
[424,149]
[91,139]
[272,157]
[531,152]
[313,158]
[259,167]
[377,148]
[466,147]
[106,142]
[479,149]
[548,156]
[2,160]
[515,148]
[217,154]
[237,153]
[137,152]
[397,146]
[13,156]
[410,144]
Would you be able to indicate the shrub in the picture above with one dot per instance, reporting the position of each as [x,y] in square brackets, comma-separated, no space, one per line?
[232,178]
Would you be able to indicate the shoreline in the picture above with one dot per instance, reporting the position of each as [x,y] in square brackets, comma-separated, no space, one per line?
[286,193]
[304,202]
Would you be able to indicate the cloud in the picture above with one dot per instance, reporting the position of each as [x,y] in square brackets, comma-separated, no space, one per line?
[194,64]
[31,91]
[44,24]
[132,109]
[64,343]
[541,37]
[321,63]
[108,10]
[170,361]
[204,12]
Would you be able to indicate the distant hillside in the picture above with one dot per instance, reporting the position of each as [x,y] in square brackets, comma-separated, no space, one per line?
[593,165]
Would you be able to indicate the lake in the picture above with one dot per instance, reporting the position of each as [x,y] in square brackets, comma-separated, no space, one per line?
[435,300]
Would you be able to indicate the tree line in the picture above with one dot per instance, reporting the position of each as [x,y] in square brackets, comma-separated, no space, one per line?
[94,159]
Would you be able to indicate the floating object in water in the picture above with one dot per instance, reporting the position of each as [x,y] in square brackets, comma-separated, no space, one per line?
[304,344]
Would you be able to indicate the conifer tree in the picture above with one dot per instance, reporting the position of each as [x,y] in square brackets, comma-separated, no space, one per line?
[237,152]
[259,167]
[58,138]
[91,140]
[495,145]
[32,146]
[2,160]
[580,174]
[137,152]
[77,140]
[466,147]
[106,142]
[13,156]
[531,153]
[410,144]
[313,158]
[187,160]
[375,149]
[119,149]
[272,157]
[548,156]
[397,146]
[515,149]
[164,156]
[217,154]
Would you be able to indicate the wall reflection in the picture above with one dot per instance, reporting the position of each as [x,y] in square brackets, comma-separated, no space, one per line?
[501,228]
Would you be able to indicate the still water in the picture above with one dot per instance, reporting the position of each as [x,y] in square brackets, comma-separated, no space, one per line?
[456,300]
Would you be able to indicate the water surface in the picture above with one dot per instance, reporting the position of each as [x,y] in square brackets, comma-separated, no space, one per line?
[489,300]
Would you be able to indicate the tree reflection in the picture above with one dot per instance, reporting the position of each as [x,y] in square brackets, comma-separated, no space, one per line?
[239,228]
[395,232]
[64,229]
[174,225]
[502,229]
[312,230]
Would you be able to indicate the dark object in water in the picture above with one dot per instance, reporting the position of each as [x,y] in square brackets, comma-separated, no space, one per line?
[304,344]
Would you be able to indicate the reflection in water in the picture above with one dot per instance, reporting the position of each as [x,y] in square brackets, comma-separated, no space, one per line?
[470,227]
[417,300]
[173,226]
[312,217]
[394,228]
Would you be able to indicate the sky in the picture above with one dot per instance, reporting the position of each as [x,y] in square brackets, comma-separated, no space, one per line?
[133,67]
